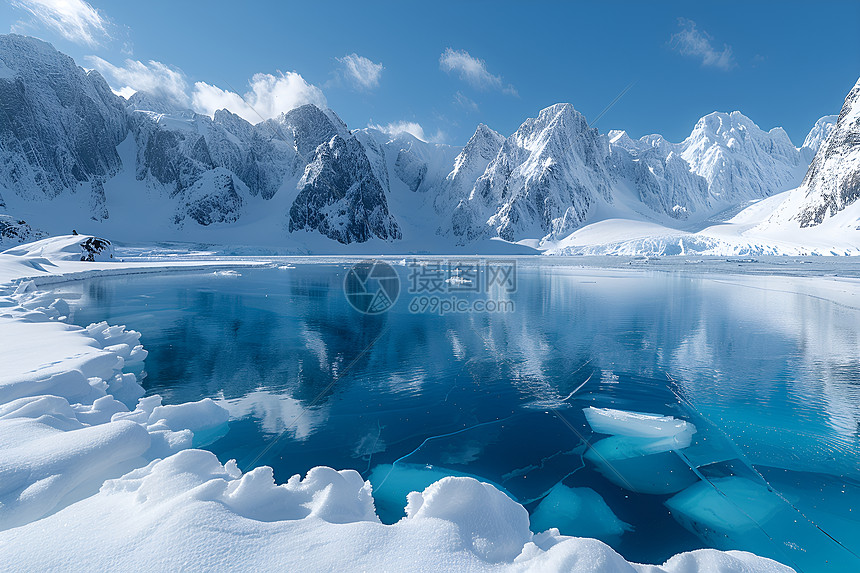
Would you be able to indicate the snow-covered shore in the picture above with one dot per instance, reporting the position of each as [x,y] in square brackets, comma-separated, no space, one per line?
[92,477]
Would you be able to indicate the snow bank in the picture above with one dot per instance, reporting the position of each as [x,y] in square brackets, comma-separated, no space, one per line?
[66,248]
[191,512]
[92,473]
[392,485]
[489,523]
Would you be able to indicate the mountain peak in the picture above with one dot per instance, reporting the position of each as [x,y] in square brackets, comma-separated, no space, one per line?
[562,113]
[832,183]
[818,134]
[156,103]
[32,46]
[485,131]
[719,123]
[484,135]
[311,126]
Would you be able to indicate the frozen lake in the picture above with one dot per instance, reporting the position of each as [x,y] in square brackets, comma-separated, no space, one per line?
[760,373]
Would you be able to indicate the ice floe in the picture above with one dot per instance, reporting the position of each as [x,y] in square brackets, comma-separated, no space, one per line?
[639,454]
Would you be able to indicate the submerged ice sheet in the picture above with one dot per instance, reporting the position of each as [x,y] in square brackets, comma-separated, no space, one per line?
[580,512]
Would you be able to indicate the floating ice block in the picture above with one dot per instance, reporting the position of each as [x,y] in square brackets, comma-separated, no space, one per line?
[638,424]
[639,454]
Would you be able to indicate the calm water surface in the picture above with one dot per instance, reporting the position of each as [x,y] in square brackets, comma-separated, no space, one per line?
[766,368]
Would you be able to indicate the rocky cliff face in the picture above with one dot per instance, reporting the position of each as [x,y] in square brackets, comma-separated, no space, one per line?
[832,182]
[341,196]
[60,128]
[14,232]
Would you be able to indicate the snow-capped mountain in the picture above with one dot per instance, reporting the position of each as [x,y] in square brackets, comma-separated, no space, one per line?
[75,154]
[556,175]
[831,188]
[739,160]
[60,128]
[817,136]
[545,179]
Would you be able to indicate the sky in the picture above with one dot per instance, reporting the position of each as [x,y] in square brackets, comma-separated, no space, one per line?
[438,68]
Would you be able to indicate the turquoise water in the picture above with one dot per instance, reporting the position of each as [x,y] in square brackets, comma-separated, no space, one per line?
[766,368]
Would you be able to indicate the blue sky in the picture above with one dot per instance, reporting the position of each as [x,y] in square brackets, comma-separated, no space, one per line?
[439,68]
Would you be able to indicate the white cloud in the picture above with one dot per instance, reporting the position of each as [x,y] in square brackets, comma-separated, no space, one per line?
[151,77]
[362,72]
[691,41]
[410,127]
[269,96]
[125,91]
[465,102]
[472,70]
[75,20]
[398,127]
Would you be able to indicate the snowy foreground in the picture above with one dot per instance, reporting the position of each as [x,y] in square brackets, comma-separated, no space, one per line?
[92,477]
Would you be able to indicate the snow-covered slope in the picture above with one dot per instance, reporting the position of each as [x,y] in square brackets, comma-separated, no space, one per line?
[66,248]
[659,175]
[829,193]
[817,136]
